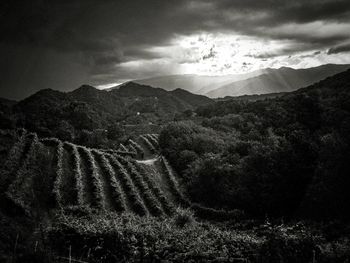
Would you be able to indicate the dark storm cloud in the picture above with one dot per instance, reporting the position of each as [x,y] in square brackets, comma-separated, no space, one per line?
[288,51]
[140,52]
[100,26]
[108,59]
[299,11]
[102,34]
[310,55]
[339,49]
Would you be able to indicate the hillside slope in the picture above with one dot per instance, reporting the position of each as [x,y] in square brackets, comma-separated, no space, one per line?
[280,80]
[89,108]
[178,100]
[284,156]
[49,174]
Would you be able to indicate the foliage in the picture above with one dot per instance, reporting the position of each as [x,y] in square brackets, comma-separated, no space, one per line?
[23,177]
[118,197]
[94,176]
[129,238]
[150,201]
[157,191]
[286,156]
[183,217]
[128,187]
[78,175]
[97,118]
[13,161]
[149,144]
[59,172]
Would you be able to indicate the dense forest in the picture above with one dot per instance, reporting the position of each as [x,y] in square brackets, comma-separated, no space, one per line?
[139,174]
[283,157]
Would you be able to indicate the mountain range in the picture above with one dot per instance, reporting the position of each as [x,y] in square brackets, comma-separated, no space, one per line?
[89,108]
[262,81]
[196,83]
[133,103]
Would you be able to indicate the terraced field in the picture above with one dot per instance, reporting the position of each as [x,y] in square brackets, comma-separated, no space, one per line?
[135,178]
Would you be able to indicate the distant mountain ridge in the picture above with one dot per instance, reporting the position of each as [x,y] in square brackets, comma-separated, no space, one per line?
[90,108]
[195,83]
[280,80]
[119,96]
[262,81]
[8,102]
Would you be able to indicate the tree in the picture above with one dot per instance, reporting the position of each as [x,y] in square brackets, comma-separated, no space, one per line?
[65,131]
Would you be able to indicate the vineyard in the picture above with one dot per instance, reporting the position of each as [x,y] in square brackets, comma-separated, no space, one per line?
[248,179]
[135,178]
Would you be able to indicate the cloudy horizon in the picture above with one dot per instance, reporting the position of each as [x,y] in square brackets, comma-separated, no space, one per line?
[64,44]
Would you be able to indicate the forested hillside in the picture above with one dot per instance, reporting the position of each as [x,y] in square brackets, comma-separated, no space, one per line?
[50,174]
[244,179]
[280,157]
[95,117]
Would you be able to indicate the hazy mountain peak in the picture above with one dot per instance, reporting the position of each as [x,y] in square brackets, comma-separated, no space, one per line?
[86,87]
[47,93]
[135,89]
[284,79]
[178,90]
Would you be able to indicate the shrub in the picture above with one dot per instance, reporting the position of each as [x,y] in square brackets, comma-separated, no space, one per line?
[19,190]
[183,217]
[284,244]
[130,238]
[12,162]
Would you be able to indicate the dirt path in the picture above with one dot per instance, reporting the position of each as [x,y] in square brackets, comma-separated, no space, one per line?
[150,161]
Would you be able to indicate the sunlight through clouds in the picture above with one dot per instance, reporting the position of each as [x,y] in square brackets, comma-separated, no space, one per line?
[215,54]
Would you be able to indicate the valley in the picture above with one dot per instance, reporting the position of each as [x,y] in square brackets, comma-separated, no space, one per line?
[94,176]
[175,131]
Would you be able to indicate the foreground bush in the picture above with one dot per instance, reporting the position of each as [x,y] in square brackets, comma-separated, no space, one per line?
[130,238]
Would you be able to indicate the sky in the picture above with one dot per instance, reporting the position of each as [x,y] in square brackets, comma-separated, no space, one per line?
[64,44]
